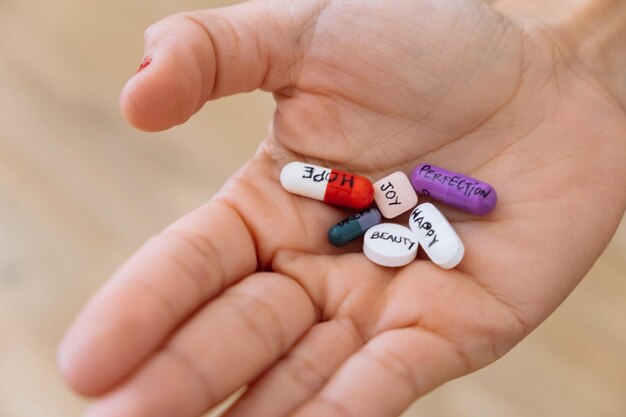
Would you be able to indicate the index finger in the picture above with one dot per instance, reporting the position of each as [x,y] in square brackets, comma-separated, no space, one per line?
[173,274]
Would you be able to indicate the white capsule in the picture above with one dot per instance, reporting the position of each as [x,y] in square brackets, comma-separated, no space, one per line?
[390,245]
[439,240]
[292,175]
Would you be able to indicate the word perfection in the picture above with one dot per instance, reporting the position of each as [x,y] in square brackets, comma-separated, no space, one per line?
[457,190]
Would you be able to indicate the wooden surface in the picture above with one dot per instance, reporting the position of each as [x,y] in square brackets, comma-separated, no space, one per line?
[79,191]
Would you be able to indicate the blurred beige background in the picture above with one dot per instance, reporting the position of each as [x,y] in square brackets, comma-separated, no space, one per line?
[80,190]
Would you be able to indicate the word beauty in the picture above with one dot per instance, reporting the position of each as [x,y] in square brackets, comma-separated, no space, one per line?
[327,185]
[436,236]
[390,244]
[460,191]
[394,195]
[353,227]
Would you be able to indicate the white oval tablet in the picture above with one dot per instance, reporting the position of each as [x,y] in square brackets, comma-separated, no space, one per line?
[389,244]
[439,240]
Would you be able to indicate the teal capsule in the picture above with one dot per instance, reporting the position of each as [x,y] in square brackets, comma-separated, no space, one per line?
[353,227]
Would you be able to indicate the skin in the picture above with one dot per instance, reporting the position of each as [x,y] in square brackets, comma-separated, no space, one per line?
[247,291]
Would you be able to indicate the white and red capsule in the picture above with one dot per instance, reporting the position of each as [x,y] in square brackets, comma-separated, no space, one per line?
[328,185]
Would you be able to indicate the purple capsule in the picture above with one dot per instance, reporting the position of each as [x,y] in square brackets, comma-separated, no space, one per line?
[460,191]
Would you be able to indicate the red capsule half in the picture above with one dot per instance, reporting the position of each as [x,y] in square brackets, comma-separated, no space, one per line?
[348,190]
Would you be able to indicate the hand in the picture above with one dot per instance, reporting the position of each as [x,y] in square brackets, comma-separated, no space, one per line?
[246,290]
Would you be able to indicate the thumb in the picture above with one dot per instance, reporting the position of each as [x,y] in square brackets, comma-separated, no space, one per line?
[198,56]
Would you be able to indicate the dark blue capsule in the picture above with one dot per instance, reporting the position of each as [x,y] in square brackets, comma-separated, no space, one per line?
[353,227]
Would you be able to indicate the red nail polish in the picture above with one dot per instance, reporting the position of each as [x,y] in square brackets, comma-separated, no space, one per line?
[146,61]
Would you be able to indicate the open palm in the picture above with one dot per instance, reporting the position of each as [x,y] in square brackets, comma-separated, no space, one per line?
[247,291]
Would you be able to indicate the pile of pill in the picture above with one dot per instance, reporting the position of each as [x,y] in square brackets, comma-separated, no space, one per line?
[390,244]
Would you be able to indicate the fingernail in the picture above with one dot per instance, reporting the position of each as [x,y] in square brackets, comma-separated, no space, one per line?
[146,61]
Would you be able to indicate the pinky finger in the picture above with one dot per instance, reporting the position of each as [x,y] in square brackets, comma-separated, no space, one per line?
[298,376]
[387,375]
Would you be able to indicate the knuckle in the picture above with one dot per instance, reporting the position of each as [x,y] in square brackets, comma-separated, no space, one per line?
[261,319]
[157,28]
[304,372]
[203,263]
[394,365]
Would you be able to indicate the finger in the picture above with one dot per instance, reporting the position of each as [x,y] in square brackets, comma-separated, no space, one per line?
[224,346]
[202,55]
[301,373]
[387,374]
[161,285]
